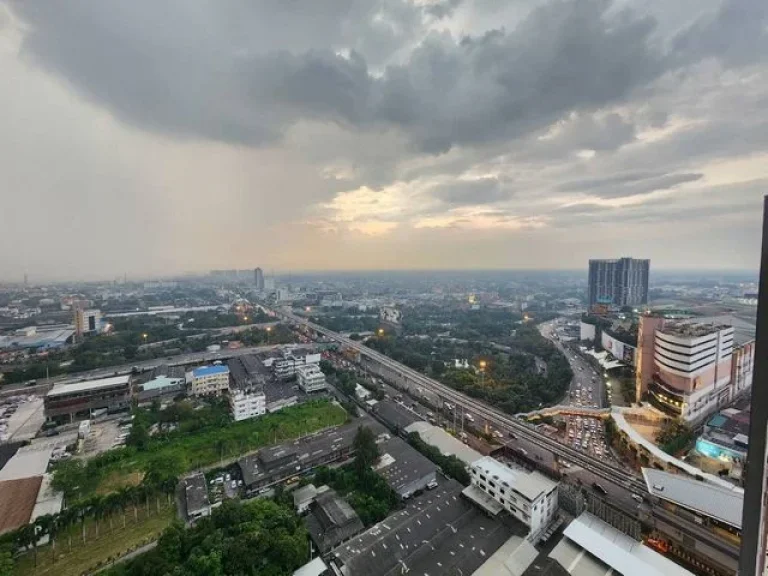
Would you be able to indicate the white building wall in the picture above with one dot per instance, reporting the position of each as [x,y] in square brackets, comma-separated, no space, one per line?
[586,332]
[501,483]
[244,405]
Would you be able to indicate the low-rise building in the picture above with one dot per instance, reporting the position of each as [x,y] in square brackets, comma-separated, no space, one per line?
[209,381]
[590,546]
[726,436]
[528,496]
[276,464]
[303,497]
[331,521]
[246,397]
[287,366]
[70,402]
[161,387]
[437,534]
[245,403]
[447,444]
[311,378]
[196,496]
[404,468]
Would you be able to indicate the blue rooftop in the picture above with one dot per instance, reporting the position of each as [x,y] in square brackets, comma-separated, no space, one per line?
[717,421]
[209,371]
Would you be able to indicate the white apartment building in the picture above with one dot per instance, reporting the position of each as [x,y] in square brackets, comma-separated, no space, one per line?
[247,403]
[528,496]
[287,366]
[311,378]
[208,381]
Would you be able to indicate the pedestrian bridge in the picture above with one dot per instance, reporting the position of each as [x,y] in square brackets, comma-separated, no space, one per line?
[568,411]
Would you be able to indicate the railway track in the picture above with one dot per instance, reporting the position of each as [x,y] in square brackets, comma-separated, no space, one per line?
[621,477]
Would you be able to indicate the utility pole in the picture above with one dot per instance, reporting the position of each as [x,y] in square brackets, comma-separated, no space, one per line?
[753,523]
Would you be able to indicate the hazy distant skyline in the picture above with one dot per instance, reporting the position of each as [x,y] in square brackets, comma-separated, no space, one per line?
[156,138]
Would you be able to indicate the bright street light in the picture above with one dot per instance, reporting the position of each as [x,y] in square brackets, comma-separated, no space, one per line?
[381,331]
[483,364]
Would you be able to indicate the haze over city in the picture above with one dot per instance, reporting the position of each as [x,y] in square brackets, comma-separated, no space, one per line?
[380,134]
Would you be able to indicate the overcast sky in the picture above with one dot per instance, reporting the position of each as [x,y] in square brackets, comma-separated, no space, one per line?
[152,137]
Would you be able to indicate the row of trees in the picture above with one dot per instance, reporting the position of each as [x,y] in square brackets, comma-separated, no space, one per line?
[367,492]
[255,537]
[450,465]
[148,494]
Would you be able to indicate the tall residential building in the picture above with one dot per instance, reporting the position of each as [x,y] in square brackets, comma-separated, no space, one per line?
[622,282]
[690,370]
[258,279]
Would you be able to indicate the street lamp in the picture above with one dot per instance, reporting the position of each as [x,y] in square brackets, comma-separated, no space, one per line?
[308,308]
[145,336]
[381,331]
[483,364]
[269,329]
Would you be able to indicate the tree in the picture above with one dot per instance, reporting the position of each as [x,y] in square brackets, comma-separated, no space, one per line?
[6,560]
[139,436]
[366,449]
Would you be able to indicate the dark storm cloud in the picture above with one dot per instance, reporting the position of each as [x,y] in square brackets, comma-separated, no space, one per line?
[628,184]
[713,202]
[483,191]
[196,69]
[442,9]
[737,34]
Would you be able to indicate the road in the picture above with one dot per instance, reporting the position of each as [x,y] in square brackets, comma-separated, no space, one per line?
[587,386]
[422,385]
[179,360]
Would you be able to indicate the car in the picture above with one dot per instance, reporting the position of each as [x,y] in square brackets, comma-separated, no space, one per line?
[637,498]
[233,485]
[432,485]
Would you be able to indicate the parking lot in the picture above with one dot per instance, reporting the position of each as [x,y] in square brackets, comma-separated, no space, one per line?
[21,417]
[104,436]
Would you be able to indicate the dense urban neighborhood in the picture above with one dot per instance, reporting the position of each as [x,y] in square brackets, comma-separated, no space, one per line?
[223,426]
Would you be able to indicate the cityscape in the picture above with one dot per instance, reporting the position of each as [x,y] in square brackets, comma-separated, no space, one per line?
[588,421]
[384,288]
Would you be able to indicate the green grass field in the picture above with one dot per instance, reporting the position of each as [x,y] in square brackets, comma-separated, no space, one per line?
[208,447]
[202,448]
[110,543]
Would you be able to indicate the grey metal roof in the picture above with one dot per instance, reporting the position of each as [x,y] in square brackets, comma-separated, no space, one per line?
[447,444]
[623,554]
[406,466]
[713,501]
[438,533]
[196,493]
[63,389]
[332,521]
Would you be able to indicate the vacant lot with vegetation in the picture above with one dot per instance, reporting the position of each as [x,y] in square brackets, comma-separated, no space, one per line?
[201,437]
[112,536]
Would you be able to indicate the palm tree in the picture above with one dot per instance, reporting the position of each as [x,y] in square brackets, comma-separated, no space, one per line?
[82,513]
[111,505]
[64,522]
[46,525]
[97,510]
[135,498]
[124,498]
